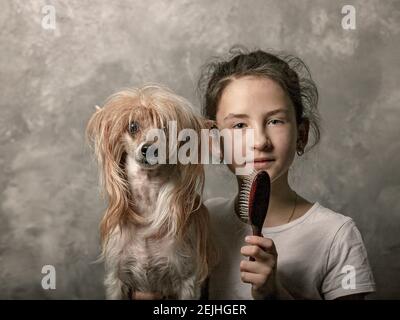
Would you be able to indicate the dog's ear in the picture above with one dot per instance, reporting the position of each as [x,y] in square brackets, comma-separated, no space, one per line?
[94,125]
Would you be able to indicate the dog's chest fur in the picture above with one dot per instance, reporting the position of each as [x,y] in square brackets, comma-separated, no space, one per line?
[145,187]
[150,265]
[156,265]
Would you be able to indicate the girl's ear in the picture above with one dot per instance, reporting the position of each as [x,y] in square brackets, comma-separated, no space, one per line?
[303,130]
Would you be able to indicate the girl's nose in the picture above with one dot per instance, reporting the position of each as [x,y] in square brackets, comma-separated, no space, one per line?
[261,139]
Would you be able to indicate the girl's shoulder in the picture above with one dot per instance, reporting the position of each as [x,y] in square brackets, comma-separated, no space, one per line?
[322,214]
[326,226]
[320,221]
[343,227]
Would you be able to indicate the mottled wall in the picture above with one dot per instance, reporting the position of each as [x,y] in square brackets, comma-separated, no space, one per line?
[51,79]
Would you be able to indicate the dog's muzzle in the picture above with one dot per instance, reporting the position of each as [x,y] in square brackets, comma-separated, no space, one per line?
[147,155]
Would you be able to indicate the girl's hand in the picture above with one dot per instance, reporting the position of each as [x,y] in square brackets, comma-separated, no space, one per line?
[261,273]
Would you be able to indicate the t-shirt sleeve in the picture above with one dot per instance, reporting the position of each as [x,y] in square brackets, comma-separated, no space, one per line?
[348,271]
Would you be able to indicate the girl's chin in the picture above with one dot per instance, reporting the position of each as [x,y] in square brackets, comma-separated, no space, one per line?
[238,171]
[275,174]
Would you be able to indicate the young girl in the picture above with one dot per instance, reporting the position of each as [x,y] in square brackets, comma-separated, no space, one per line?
[308,251]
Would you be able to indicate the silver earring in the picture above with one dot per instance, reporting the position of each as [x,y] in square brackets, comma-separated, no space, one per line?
[300,149]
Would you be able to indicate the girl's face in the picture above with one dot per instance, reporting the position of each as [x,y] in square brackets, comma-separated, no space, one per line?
[261,104]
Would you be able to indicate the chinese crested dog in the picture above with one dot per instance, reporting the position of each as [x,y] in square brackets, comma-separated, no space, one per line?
[155,230]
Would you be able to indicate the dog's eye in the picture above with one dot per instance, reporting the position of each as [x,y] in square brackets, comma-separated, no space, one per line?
[133,127]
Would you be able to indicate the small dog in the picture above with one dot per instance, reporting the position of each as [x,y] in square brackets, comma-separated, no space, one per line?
[155,229]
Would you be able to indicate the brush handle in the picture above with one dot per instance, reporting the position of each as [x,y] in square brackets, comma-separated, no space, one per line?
[258,202]
[256,232]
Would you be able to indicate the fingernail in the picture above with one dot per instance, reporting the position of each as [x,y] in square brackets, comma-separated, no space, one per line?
[247,238]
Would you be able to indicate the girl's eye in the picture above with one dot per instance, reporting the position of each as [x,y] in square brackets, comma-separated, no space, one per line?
[133,127]
[275,121]
[239,125]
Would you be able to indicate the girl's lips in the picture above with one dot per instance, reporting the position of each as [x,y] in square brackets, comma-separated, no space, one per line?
[259,164]
[263,159]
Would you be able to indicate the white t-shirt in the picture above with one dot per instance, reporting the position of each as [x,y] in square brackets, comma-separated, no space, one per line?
[318,254]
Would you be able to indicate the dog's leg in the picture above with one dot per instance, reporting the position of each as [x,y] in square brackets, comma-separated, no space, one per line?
[115,288]
[189,290]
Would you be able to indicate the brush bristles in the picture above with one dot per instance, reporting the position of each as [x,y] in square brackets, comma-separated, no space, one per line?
[244,195]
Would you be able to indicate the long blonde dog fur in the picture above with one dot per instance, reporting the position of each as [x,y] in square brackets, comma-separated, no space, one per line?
[154,231]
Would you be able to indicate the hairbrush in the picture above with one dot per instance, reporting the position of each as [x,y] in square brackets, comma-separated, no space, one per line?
[254,200]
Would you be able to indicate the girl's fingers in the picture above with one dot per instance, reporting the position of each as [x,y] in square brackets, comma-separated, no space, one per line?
[259,271]
[257,280]
[256,252]
[265,243]
[264,268]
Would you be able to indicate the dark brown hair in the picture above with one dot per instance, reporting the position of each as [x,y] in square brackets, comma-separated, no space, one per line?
[288,71]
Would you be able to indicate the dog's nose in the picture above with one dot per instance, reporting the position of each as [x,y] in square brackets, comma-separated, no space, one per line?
[144,148]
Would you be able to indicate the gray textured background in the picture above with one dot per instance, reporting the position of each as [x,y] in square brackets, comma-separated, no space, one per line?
[51,79]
